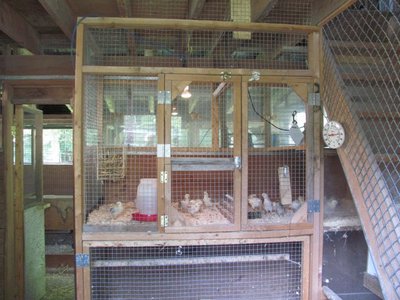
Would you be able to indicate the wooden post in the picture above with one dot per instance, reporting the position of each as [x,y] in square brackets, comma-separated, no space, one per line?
[245,152]
[314,173]
[19,201]
[10,258]
[162,131]
[78,162]
[237,149]
[38,155]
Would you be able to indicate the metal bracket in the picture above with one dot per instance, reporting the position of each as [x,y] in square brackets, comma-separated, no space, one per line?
[237,162]
[82,260]
[164,97]
[163,150]
[163,177]
[313,206]
[314,99]
[164,221]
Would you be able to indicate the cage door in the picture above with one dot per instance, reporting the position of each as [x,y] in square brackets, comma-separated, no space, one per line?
[203,125]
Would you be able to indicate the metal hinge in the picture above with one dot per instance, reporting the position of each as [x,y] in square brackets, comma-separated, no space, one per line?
[164,97]
[163,150]
[82,260]
[314,99]
[164,221]
[163,177]
[313,206]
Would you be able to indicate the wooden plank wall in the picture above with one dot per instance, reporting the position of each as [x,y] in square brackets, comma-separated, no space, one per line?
[58,179]
[2,228]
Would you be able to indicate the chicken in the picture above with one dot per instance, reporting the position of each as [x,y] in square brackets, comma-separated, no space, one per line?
[207,200]
[267,202]
[296,204]
[116,209]
[254,202]
[194,206]
[278,208]
[185,202]
[332,203]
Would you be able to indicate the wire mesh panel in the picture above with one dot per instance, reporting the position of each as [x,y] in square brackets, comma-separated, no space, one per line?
[246,271]
[275,184]
[120,136]
[195,48]
[361,90]
[203,126]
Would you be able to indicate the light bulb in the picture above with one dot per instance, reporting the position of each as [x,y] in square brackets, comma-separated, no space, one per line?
[186,93]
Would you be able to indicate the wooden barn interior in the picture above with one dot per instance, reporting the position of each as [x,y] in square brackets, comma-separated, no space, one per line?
[200,149]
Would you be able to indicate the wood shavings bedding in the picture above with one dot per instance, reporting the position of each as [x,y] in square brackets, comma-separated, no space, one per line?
[102,215]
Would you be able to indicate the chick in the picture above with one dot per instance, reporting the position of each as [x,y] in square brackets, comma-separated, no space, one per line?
[194,206]
[278,208]
[207,200]
[254,202]
[295,205]
[332,203]
[116,209]
[185,202]
[267,202]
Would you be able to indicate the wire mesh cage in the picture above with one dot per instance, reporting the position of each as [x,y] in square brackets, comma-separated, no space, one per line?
[361,90]
[201,191]
[237,271]
[195,48]
[275,187]
[119,146]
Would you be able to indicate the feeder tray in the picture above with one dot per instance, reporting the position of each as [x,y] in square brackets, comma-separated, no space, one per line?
[144,218]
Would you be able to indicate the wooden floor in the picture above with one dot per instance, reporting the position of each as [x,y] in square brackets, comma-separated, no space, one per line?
[344,264]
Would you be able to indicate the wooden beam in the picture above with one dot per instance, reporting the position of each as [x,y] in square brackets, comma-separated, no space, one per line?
[325,10]
[62,14]
[124,8]
[19,201]
[43,95]
[36,65]
[18,29]
[8,173]
[261,8]
[197,25]
[195,8]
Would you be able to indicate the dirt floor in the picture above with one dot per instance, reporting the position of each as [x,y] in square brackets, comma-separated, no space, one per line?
[60,284]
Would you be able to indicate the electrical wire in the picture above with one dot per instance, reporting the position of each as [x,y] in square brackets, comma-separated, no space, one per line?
[261,116]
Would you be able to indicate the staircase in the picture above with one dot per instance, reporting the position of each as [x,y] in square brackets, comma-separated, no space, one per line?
[360,88]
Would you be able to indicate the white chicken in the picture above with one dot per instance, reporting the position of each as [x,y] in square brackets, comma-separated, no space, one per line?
[116,209]
[278,208]
[207,200]
[185,202]
[194,206]
[297,203]
[254,201]
[267,202]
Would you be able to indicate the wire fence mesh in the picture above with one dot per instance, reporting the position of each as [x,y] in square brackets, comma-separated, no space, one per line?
[245,271]
[119,145]
[360,88]
[195,49]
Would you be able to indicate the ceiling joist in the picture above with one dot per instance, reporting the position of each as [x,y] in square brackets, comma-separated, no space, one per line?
[43,95]
[195,8]
[124,8]
[18,29]
[261,8]
[325,10]
[62,15]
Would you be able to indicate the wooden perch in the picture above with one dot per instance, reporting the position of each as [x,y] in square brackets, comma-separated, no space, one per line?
[163,262]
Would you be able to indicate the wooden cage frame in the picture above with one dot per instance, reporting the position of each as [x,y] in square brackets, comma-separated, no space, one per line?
[302,81]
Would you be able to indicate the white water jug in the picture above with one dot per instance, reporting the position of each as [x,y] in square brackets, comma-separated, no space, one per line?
[146,200]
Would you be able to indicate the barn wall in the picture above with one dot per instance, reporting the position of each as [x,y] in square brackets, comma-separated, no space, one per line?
[2,227]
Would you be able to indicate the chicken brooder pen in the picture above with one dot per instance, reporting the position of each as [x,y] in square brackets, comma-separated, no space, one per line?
[201,110]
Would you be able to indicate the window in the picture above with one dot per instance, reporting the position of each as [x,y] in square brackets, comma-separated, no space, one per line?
[57,146]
